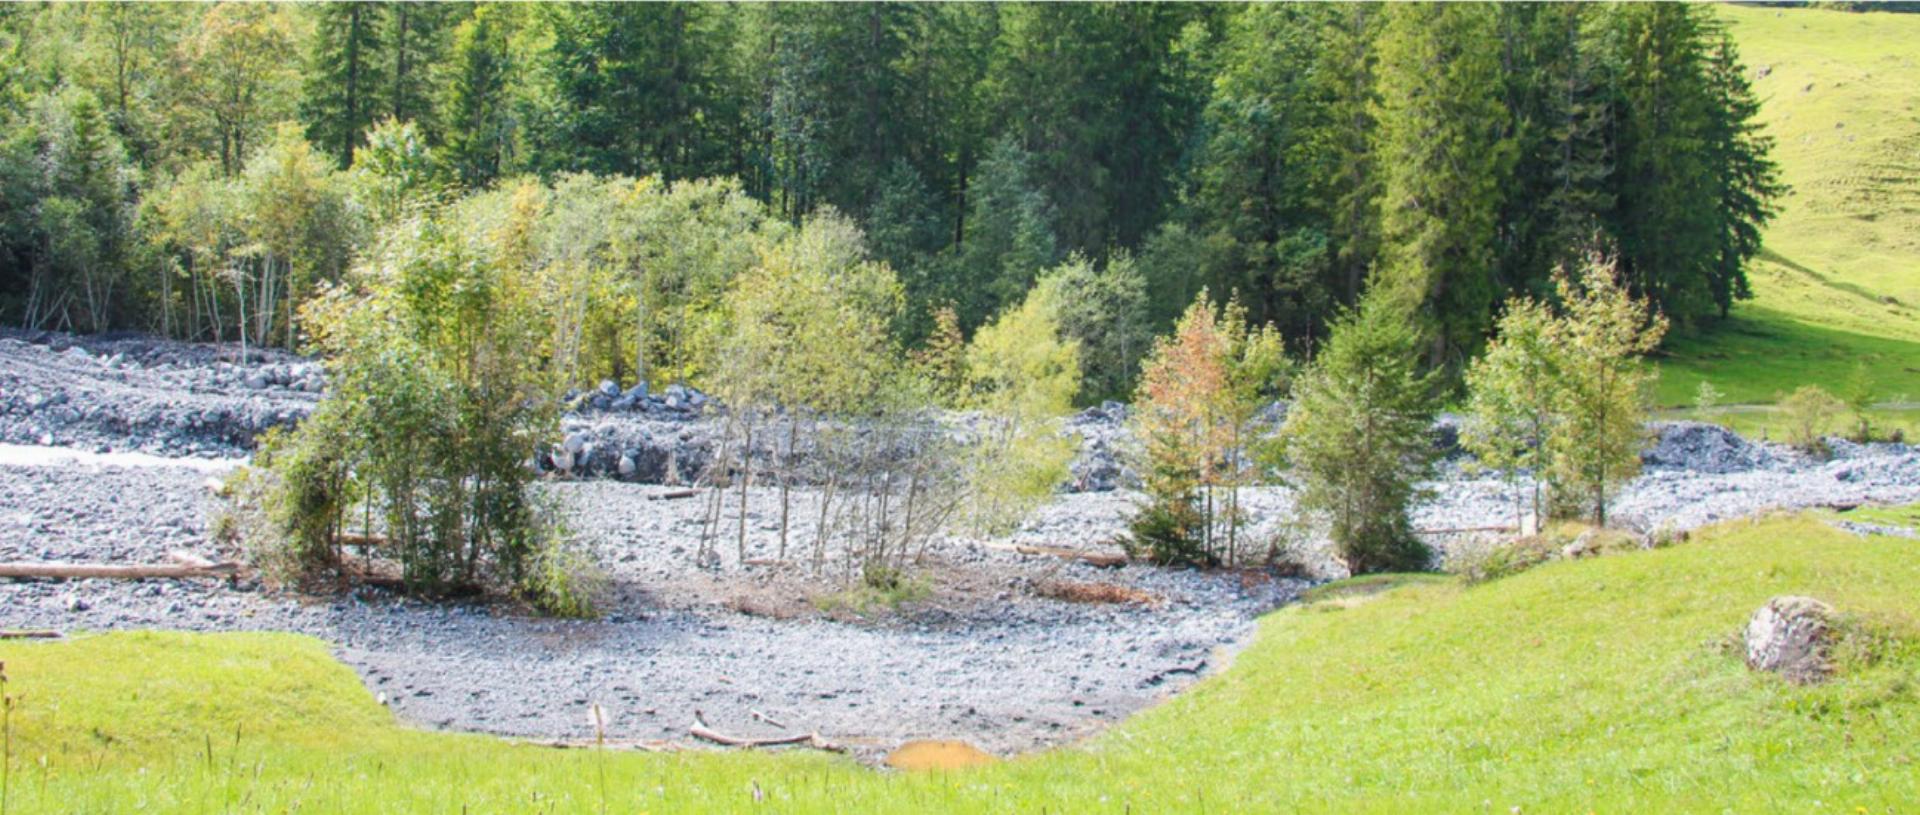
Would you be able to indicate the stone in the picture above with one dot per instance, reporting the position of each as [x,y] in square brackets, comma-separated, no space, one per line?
[575,442]
[258,381]
[1792,636]
[77,603]
[627,466]
[608,389]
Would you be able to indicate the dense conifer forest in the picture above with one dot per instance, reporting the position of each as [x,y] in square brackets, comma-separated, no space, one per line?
[202,170]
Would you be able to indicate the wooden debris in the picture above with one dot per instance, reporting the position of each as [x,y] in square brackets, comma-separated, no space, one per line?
[31,635]
[673,495]
[701,730]
[1462,530]
[193,567]
[1104,560]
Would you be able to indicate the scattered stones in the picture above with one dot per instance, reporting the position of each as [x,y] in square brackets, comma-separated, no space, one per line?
[1793,637]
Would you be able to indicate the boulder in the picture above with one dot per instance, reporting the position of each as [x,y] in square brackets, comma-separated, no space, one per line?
[1793,637]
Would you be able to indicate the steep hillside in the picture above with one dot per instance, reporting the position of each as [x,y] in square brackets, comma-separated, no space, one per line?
[1840,279]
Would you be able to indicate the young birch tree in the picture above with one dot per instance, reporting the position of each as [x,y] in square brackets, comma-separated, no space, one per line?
[1602,332]
[1513,417]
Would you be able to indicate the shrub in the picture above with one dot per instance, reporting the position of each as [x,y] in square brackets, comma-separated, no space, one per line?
[439,393]
[1810,412]
[1021,375]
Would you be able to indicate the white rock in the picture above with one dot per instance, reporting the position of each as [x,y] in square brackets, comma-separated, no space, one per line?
[1791,636]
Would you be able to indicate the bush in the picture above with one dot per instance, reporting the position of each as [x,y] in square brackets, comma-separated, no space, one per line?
[1810,412]
[439,394]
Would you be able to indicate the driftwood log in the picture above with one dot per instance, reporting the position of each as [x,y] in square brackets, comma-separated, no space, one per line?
[184,565]
[701,730]
[1104,560]
[30,635]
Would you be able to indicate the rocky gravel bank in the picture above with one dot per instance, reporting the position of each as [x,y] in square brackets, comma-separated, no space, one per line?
[988,655]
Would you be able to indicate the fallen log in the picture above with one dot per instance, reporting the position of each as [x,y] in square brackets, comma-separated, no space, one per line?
[116,571]
[1104,560]
[1461,530]
[30,635]
[700,730]
[673,495]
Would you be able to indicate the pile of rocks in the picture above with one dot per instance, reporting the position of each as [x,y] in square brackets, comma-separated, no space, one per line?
[1704,448]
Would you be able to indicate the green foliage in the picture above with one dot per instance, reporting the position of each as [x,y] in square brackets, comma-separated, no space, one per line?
[1357,436]
[1195,412]
[1022,374]
[1603,387]
[1444,154]
[1810,412]
[1513,397]
[1857,393]
[1104,311]
[1706,397]
[438,392]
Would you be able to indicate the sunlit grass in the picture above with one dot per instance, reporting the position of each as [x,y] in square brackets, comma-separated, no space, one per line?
[1840,279]
[1605,685]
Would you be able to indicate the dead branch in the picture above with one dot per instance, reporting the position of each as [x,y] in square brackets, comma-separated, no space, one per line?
[31,635]
[1461,530]
[1104,560]
[673,495]
[700,730]
[762,717]
[646,746]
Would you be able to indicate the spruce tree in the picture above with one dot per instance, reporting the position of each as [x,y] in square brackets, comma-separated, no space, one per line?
[1445,159]
[1746,180]
[475,113]
[1356,434]
[340,92]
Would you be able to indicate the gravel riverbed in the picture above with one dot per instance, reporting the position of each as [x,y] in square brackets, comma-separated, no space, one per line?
[987,656]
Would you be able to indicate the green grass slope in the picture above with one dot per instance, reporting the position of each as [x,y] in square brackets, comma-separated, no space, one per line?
[1593,686]
[1839,281]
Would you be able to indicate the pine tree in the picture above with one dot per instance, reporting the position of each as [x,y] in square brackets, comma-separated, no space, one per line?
[1664,197]
[339,96]
[1558,119]
[1445,160]
[475,115]
[1009,236]
[1746,181]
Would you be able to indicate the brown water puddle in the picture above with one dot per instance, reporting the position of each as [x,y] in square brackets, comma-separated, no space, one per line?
[933,754]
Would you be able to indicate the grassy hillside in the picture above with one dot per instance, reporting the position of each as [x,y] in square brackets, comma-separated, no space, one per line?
[1602,685]
[1840,279]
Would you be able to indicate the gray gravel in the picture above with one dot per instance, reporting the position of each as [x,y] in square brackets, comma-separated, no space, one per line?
[986,658]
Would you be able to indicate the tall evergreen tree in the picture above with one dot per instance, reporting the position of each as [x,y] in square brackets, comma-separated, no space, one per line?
[339,96]
[1445,158]
[1557,119]
[1260,167]
[1664,199]
[475,111]
[1746,180]
[1090,91]
[1009,238]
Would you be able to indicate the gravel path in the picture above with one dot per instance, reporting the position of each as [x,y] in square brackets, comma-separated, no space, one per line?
[986,657]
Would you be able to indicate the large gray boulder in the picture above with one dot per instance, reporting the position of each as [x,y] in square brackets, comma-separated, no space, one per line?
[1793,637]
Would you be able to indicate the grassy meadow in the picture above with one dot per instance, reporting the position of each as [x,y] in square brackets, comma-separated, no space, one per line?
[1603,685]
[1839,280]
